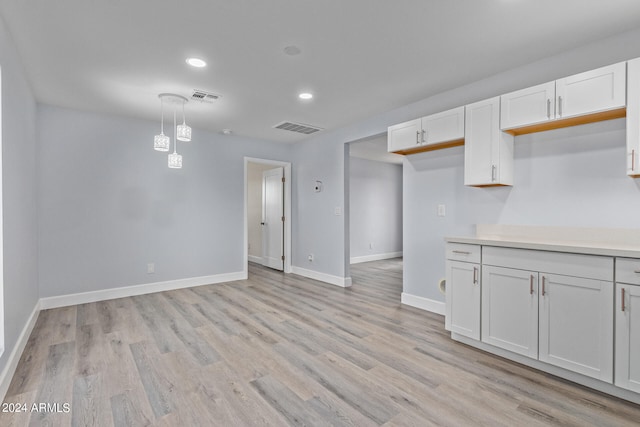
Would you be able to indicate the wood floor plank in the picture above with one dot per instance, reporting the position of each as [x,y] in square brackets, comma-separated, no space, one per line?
[280,349]
[90,403]
[126,411]
[287,404]
[157,384]
[56,387]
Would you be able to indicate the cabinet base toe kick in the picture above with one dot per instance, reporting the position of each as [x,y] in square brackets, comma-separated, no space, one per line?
[583,380]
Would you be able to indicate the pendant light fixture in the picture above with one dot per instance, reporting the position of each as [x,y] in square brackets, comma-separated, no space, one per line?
[181,132]
[184,131]
[175,159]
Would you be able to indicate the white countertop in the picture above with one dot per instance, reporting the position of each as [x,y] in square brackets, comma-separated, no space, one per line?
[591,241]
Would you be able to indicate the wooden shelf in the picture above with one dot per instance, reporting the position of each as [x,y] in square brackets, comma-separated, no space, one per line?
[431,147]
[571,121]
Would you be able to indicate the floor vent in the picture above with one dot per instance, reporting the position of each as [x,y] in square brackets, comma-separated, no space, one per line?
[298,127]
[204,96]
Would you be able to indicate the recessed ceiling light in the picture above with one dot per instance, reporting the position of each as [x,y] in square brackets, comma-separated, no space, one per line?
[226,131]
[196,62]
[305,95]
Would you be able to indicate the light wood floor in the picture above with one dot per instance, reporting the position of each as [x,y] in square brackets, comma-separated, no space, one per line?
[280,349]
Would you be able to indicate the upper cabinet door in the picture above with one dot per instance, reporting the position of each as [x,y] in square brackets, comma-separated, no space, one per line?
[443,127]
[528,106]
[592,91]
[488,152]
[633,118]
[404,136]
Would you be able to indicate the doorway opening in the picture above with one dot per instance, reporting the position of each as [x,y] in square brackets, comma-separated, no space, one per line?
[267,213]
[373,180]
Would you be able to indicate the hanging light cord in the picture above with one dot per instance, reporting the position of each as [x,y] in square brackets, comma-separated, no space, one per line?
[184,121]
[161,116]
[175,130]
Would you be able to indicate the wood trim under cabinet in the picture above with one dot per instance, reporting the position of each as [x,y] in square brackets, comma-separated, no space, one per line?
[571,121]
[431,147]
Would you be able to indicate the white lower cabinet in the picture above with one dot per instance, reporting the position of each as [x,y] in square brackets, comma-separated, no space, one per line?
[463,297]
[463,290]
[510,309]
[554,307]
[628,337]
[576,324]
[627,315]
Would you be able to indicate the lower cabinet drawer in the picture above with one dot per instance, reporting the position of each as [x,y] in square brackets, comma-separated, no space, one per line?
[463,252]
[628,271]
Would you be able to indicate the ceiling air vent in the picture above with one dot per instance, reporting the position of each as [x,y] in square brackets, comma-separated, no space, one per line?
[204,96]
[298,127]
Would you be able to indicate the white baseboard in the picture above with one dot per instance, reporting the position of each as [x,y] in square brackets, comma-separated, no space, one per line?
[344,282]
[128,291]
[16,353]
[256,259]
[374,257]
[423,303]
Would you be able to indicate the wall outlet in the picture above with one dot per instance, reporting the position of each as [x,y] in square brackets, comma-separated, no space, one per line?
[310,258]
[151,268]
[370,245]
[441,210]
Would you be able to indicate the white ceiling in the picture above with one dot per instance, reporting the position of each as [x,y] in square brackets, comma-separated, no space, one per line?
[359,57]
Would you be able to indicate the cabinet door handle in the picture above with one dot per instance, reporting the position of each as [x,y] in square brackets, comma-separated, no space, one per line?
[560,106]
[637,271]
[622,300]
[417,137]
[475,275]
[423,135]
[462,252]
[544,279]
[548,109]
[493,173]
[531,285]
[633,160]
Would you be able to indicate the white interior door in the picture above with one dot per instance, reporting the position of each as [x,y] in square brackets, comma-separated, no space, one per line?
[273,218]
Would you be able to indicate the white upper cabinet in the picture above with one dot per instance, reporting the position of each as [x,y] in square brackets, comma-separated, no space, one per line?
[404,135]
[440,130]
[443,127]
[488,152]
[592,91]
[633,118]
[582,98]
[528,106]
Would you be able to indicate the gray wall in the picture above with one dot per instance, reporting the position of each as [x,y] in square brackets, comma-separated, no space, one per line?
[109,204]
[19,195]
[421,249]
[375,207]
[569,177]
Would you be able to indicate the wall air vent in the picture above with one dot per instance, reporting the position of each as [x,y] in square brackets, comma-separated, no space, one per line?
[298,127]
[204,96]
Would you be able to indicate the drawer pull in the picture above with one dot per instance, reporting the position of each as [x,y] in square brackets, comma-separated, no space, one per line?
[469,253]
[531,285]
[637,271]
[622,299]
